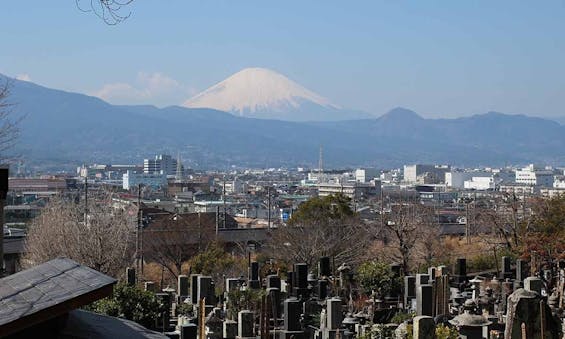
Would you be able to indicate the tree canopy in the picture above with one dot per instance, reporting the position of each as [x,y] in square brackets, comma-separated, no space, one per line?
[323,210]
[131,303]
[545,234]
[103,239]
[377,277]
[323,226]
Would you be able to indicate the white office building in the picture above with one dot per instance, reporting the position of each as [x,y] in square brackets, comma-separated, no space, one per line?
[535,176]
[480,183]
[364,175]
[412,172]
[456,179]
[559,182]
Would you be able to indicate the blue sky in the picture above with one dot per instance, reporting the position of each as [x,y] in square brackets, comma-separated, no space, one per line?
[439,58]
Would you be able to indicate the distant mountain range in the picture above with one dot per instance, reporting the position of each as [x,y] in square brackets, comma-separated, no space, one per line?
[560,120]
[69,128]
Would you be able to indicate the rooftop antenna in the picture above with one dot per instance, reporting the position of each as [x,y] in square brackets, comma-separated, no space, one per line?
[321,164]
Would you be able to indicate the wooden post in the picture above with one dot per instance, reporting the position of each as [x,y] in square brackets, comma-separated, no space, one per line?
[268,311]
[524,331]
[202,320]
[263,319]
[542,318]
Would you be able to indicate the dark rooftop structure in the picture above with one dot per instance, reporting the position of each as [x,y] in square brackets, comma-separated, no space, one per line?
[43,302]
[48,291]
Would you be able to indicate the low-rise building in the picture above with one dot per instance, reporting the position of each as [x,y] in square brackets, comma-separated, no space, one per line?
[552,192]
[535,176]
[456,179]
[519,190]
[153,180]
[559,181]
[412,172]
[480,183]
[352,190]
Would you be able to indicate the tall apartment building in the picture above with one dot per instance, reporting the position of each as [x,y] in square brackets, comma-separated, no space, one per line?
[163,163]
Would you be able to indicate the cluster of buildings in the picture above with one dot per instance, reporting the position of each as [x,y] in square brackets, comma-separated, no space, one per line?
[266,198]
[241,206]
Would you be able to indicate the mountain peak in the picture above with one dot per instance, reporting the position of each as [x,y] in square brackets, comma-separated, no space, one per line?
[400,113]
[253,90]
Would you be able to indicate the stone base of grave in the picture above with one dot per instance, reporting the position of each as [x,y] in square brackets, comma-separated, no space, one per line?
[292,334]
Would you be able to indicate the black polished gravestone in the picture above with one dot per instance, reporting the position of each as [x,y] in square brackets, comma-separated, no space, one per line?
[274,301]
[521,270]
[322,289]
[290,283]
[291,315]
[253,276]
[424,300]
[409,290]
[194,288]
[300,284]
[273,281]
[506,268]
[460,271]
[245,324]
[324,267]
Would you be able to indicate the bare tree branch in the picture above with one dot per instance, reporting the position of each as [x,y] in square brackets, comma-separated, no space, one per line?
[9,131]
[104,241]
[171,240]
[107,10]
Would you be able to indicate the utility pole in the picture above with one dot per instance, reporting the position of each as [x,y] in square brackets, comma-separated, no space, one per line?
[138,256]
[86,198]
[4,173]
[217,217]
[320,163]
[269,206]
[224,199]
[467,222]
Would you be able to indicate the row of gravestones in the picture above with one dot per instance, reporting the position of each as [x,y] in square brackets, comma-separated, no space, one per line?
[418,292]
[526,309]
[298,286]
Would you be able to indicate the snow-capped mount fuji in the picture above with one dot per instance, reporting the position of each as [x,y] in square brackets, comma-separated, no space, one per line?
[266,94]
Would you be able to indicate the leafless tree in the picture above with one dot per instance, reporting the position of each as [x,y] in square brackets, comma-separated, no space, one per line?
[410,231]
[344,242]
[9,131]
[509,218]
[111,11]
[104,240]
[171,240]
[321,227]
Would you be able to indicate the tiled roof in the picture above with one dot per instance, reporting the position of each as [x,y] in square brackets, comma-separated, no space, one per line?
[48,290]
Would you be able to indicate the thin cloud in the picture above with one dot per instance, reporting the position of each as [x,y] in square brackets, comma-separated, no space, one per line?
[148,88]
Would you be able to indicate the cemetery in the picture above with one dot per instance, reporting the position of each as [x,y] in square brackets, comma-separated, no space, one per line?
[523,300]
